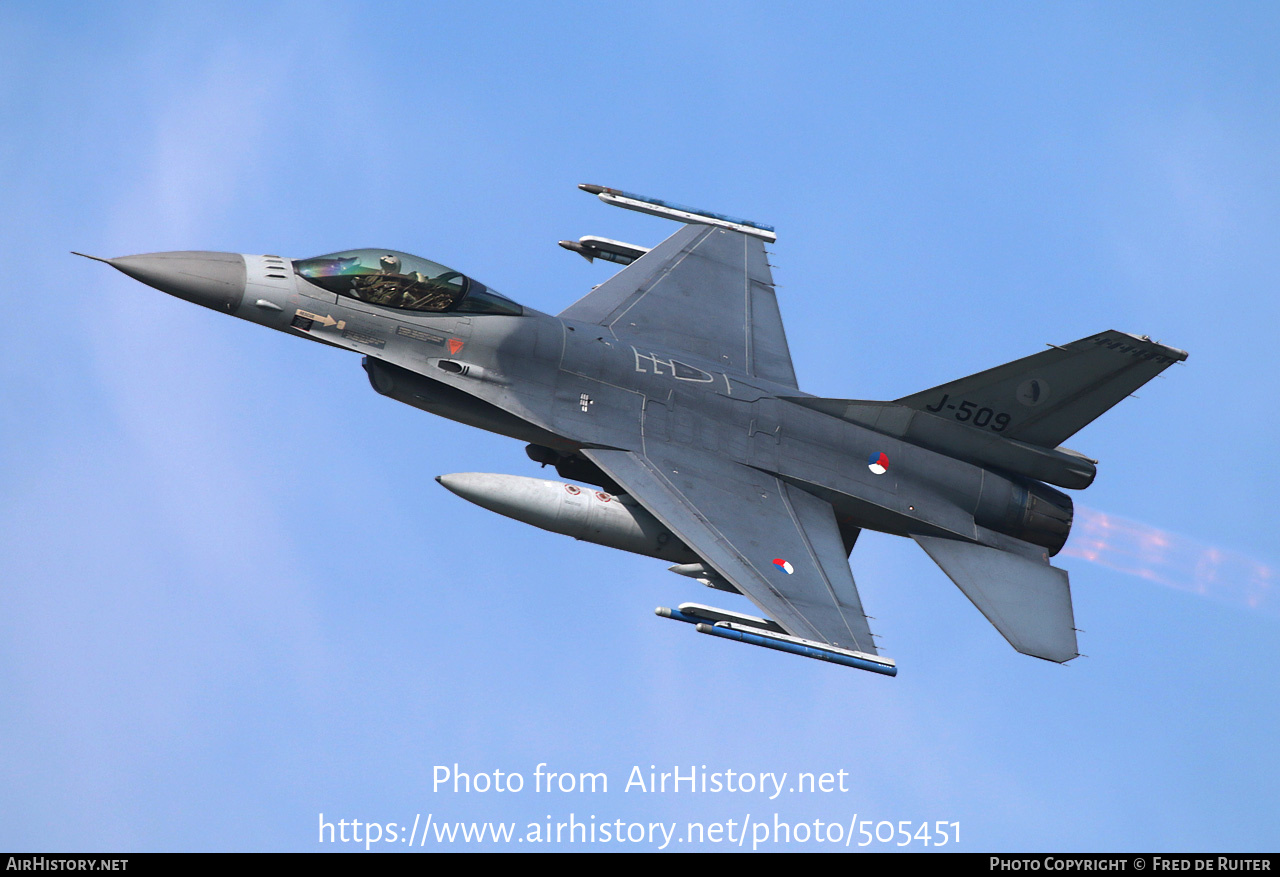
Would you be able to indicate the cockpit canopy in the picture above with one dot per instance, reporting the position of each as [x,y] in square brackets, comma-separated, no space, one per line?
[399,280]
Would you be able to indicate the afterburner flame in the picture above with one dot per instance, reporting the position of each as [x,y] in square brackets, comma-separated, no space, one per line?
[1171,559]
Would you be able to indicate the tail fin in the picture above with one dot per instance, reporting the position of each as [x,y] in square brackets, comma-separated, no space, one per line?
[1046,398]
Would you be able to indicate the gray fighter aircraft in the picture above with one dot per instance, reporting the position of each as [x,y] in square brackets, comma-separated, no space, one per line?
[670,387]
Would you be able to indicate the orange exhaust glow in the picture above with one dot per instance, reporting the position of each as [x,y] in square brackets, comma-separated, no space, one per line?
[1170,559]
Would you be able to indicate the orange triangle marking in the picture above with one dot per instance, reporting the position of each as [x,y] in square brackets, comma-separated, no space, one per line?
[455,345]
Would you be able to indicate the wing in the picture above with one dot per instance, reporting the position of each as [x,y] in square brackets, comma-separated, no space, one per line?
[739,520]
[705,291]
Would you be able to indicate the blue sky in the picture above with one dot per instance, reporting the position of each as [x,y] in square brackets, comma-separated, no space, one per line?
[232,596]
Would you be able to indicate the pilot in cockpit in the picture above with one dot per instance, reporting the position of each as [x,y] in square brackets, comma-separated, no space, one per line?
[399,280]
[390,287]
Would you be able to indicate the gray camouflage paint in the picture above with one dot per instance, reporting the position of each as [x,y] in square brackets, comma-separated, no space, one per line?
[673,382]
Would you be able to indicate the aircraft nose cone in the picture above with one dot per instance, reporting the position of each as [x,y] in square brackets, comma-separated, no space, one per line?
[214,280]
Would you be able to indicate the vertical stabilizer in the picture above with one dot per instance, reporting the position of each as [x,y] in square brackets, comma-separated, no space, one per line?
[1046,398]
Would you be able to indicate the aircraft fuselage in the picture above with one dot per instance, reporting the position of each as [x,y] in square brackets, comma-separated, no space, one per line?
[563,385]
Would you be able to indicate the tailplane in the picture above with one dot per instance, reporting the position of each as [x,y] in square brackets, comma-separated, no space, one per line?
[1028,602]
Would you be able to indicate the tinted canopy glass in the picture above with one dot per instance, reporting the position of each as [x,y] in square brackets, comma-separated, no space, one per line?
[399,280]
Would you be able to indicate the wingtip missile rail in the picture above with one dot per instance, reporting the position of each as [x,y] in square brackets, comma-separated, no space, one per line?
[796,646]
[762,632]
[679,212]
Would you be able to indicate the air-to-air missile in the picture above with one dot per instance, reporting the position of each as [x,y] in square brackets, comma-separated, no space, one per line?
[679,212]
[591,248]
[763,632]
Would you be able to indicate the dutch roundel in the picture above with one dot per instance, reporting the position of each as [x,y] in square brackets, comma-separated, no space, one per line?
[878,462]
[783,565]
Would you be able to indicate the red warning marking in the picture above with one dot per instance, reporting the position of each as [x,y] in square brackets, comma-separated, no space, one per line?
[603,497]
[455,344]
[572,489]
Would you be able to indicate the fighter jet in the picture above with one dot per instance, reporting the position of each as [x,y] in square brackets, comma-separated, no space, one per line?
[669,390]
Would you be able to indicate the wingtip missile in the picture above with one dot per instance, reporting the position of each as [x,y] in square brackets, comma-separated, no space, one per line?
[762,632]
[796,646]
[679,212]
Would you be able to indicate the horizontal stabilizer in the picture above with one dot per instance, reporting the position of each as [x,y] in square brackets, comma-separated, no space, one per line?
[1028,602]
